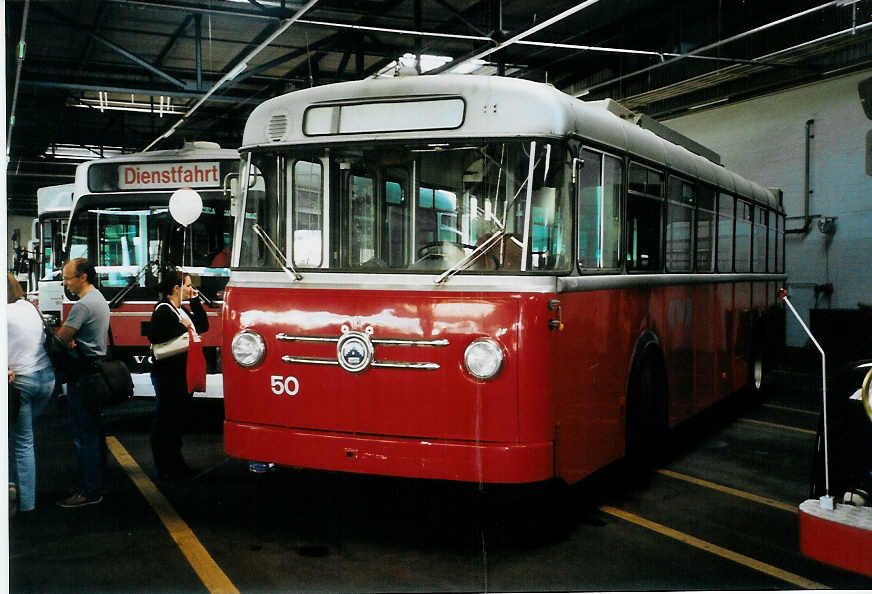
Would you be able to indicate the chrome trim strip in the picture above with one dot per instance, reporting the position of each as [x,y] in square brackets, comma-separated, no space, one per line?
[147,314]
[570,284]
[309,360]
[402,365]
[411,342]
[387,341]
[290,338]
[394,282]
[384,364]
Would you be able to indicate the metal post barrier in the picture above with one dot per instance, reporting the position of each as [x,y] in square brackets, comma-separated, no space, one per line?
[826,501]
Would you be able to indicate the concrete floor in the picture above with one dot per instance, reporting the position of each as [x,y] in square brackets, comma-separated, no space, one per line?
[295,530]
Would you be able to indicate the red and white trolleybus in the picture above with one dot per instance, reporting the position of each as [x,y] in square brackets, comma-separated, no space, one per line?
[122,223]
[483,279]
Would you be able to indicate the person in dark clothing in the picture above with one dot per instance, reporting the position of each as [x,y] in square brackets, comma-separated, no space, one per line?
[170,320]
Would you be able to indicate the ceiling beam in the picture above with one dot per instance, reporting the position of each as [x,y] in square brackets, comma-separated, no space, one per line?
[707,47]
[172,41]
[515,38]
[113,46]
[241,65]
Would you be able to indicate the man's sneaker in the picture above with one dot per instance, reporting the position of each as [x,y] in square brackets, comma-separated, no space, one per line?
[79,500]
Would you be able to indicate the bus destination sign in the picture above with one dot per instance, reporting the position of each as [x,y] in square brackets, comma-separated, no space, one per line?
[152,176]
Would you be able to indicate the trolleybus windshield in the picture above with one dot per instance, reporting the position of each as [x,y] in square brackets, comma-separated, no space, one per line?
[399,207]
[125,243]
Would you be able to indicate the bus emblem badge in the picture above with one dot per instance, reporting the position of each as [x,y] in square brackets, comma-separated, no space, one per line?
[354,351]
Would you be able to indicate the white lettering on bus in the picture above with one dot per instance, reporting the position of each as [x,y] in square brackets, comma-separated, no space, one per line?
[168,175]
[284,385]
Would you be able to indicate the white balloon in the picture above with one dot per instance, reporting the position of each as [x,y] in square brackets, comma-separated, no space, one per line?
[186,206]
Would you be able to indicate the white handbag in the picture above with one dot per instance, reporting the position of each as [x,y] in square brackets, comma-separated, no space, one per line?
[177,345]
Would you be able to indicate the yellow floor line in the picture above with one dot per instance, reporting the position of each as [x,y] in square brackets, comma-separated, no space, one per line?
[777,426]
[797,410]
[754,564]
[729,490]
[201,561]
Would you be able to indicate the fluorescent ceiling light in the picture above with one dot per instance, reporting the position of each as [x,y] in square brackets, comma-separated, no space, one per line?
[163,108]
[82,153]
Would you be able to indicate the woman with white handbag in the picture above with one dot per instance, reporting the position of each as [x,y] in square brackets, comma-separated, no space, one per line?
[169,340]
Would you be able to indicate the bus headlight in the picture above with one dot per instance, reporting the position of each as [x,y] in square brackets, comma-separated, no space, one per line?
[483,358]
[248,348]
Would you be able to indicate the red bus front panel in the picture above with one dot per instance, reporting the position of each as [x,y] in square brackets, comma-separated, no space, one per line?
[458,427]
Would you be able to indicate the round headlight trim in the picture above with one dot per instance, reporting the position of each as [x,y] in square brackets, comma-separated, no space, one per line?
[248,349]
[483,358]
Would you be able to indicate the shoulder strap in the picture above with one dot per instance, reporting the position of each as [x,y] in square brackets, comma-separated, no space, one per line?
[171,306]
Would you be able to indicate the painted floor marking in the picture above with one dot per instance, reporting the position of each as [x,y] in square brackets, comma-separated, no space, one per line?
[729,490]
[215,580]
[786,576]
[796,410]
[777,426]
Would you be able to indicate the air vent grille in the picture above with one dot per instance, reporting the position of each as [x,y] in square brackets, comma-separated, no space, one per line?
[278,126]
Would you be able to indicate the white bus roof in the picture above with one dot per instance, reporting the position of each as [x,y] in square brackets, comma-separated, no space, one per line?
[467,106]
[190,151]
[55,199]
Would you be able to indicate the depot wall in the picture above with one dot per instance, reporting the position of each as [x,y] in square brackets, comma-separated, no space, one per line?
[763,139]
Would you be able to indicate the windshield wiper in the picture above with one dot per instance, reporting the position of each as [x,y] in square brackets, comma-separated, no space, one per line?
[474,255]
[497,235]
[122,295]
[274,250]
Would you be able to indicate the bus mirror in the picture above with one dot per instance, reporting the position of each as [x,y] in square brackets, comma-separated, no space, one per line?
[186,205]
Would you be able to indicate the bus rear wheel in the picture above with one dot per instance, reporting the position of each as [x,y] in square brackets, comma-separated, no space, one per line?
[647,421]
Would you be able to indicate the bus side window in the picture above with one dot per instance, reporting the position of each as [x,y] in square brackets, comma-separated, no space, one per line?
[725,233]
[679,225]
[705,229]
[771,250]
[363,219]
[307,208]
[779,245]
[599,211]
[760,216]
[394,236]
[743,236]
[644,218]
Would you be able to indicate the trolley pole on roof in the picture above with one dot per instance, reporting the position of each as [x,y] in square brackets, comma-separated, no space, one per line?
[235,71]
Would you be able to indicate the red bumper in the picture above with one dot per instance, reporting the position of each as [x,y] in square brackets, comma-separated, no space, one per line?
[414,458]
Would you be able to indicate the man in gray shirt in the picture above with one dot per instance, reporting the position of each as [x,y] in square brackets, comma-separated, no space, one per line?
[86,328]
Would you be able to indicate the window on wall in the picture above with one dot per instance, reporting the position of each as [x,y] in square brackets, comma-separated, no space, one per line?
[599,211]
[679,225]
[644,218]
[725,232]
[770,248]
[308,203]
[743,236]
[705,229]
[759,216]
